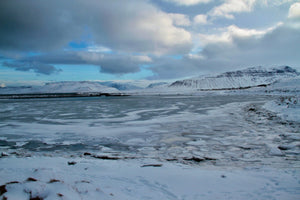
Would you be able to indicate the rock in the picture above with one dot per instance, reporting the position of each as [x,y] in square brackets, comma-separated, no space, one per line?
[152,165]
[171,159]
[195,159]
[289,146]
[2,189]
[244,147]
[3,154]
[12,182]
[104,157]
[72,163]
[36,198]
[54,181]
[209,158]
[30,179]
[252,109]
[282,147]
[60,195]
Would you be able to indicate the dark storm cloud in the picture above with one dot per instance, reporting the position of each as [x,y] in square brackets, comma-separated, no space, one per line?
[48,27]
[37,67]
[114,64]
[132,25]
[35,25]
[119,65]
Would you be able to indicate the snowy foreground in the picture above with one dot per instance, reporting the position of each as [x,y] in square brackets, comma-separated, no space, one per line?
[54,178]
[216,146]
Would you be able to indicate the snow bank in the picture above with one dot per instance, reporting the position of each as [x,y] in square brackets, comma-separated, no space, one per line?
[288,108]
[69,178]
[289,86]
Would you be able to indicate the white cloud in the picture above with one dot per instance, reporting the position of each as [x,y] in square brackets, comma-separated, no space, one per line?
[230,33]
[200,19]
[236,48]
[155,33]
[277,2]
[187,2]
[141,58]
[91,57]
[232,6]
[180,19]
[294,11]
[235,31]
[98,49]
[139,27]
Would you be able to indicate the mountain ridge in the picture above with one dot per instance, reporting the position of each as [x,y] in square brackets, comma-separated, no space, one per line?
[250,77]
[232,80]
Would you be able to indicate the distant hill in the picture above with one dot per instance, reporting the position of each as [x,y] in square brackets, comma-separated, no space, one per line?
[61,87]
[240,79]
[251,77]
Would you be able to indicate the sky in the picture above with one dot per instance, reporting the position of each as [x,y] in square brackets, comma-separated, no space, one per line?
[75,40]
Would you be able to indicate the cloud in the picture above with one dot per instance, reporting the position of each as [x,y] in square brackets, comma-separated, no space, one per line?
[121,36]
[33,25]
[180,19]
[277,2]
[187,2]
[234,49]
[39,68]
[294,11]
[166,68]
[98,49]
[200,19]
[232,32]
[131,26]
[107,63]
[232,6]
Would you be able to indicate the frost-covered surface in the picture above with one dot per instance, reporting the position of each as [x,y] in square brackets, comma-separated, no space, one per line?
[241,144]
[162,127]
[212,146]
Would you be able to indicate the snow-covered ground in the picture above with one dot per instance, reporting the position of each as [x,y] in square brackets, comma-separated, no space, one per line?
[210,146]
[286,107]
[156,144]
[80,178]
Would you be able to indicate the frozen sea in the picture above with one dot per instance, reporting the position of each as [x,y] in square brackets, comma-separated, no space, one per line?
[196,132]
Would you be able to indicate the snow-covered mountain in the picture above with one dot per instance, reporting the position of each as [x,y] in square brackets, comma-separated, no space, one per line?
[251,77]
[241,79]
[157,85]
[120,86]
[61,87]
